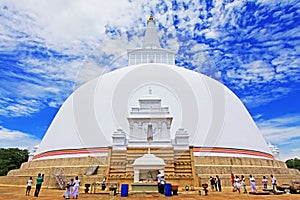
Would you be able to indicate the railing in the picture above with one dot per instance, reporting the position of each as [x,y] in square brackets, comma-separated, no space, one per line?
[108,185]
[162,110]
[60,178]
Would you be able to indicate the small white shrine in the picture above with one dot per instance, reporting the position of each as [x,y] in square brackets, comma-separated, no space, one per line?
[146,168]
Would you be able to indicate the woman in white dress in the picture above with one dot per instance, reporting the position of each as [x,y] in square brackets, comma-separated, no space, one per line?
[252,184]
[75,192]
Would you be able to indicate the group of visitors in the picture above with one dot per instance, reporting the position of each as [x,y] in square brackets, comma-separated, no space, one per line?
[39,181]
[72,188]
[238,182]
[215,183]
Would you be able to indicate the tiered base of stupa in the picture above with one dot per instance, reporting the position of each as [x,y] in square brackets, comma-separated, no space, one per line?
[182,168]
[224,166]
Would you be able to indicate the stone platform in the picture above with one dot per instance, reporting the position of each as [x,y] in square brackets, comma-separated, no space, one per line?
[182,168]
[144,187]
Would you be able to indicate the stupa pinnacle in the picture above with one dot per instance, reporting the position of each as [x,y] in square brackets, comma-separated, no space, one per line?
[151,51]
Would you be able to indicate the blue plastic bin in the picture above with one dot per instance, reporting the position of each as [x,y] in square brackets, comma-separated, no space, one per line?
[124,190]
[168,190]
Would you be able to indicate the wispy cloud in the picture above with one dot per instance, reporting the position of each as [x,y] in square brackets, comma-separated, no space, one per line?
[16,139]
[264,97]
[48,48]
[33,75]
[284,132]
[257,47]
[70,20]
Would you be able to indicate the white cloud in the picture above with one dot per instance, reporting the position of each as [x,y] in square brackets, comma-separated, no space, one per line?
[19,107]
[16,139]
[212,34]
[73,19]
[290,153]
[88,71]
[258,71]
[261,52]
[261,98]
[74,29]
[284,132]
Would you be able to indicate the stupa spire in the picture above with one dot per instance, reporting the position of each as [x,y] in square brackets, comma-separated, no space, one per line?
[151,51]
[151,40]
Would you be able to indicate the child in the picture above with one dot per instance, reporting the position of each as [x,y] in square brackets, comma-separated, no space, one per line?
[28,188]
[67,193]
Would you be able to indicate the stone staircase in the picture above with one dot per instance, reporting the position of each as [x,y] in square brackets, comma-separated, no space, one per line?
[117,167]
[183,164]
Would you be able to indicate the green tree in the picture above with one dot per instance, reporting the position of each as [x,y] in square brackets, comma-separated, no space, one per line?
[293,163]
[11,158]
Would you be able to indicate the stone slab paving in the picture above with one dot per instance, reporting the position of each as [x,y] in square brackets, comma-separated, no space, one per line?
[18,193]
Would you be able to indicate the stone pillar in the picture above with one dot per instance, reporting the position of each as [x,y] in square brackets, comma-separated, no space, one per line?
[140,129]
[131,127]
[159,129]
[136,176]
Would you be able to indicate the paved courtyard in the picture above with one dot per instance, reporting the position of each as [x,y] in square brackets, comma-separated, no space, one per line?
[18,193]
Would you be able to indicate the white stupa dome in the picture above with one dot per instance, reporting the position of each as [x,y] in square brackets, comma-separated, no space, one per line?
[217,122]
[209,111]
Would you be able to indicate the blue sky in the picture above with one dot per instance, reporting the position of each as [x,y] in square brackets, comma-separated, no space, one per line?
[49,48]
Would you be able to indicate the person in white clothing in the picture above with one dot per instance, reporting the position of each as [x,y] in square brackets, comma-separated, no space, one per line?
[237,183]
[29,184]
[264,181]
[252,184]
[75,192]
[274,182]
[67,193]
[243,184]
